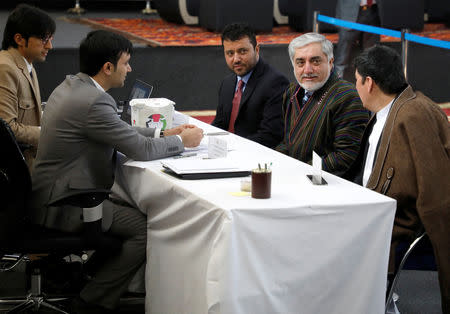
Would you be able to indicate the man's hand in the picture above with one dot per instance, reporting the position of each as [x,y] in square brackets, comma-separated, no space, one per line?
[191,136]
[177,130]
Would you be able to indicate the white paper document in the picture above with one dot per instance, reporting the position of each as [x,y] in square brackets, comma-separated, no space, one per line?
[217,147]
[317,168]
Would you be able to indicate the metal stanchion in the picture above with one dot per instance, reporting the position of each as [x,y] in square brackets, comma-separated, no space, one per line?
[315,22]
[148,9]
[405,53]
[77,9]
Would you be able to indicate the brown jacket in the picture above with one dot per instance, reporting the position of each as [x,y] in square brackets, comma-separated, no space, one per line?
[413,167]
[20,100]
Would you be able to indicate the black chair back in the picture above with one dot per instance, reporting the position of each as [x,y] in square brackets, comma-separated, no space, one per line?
[15,185]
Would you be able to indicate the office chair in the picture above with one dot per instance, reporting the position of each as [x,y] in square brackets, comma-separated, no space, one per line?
[393,281]
[18,237]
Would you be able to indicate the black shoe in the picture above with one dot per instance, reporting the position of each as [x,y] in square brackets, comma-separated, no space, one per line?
[79,306]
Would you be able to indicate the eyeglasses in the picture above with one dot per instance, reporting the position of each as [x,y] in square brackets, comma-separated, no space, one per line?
[46,39]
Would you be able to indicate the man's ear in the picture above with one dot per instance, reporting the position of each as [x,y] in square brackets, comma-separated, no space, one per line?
[108,68]
[257,48]
[370,83]
[20,41]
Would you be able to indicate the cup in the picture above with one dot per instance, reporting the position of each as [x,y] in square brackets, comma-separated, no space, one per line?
[261,183]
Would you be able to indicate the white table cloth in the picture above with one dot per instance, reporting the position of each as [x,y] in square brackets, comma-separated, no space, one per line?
[307,249]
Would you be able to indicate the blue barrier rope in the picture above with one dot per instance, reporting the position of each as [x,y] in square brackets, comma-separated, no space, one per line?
[384,31]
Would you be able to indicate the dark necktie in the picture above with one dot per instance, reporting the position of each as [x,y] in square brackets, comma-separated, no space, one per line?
[306,97]
[31,74]
[235,109]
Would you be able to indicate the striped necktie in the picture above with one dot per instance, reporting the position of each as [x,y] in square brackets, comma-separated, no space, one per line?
[306,97]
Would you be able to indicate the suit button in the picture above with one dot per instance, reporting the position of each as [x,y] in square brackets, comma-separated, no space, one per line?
[28,106]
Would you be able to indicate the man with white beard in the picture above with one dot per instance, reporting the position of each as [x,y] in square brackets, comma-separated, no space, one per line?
[321,112]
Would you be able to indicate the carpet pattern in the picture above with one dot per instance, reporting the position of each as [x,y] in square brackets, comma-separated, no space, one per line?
[157,32]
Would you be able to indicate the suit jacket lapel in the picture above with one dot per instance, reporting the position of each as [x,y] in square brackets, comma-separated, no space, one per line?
[20,62]
[375,176]
[229,87]
[36,86]
[251,84]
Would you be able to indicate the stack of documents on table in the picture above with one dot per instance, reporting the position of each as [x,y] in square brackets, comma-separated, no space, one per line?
[194,168]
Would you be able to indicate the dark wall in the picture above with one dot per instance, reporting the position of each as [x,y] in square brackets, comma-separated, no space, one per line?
[191,76]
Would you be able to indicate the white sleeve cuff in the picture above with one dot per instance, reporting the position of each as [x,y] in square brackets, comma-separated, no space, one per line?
[157,133]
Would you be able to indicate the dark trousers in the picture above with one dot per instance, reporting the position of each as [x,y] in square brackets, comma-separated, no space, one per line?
[114,276]
[349,38]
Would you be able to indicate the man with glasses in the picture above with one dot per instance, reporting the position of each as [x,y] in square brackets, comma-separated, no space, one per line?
[27,38]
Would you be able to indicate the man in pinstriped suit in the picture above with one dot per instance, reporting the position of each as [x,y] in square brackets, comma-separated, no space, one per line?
[321,112]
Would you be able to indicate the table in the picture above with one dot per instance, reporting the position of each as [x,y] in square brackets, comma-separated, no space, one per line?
[307,249]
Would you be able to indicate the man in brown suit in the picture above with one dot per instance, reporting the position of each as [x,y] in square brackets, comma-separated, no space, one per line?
[27,38]
[405,155]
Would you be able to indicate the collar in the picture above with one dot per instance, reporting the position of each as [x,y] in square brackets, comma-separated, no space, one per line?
[245,78]
[97,84]
[383,113]
[29,65]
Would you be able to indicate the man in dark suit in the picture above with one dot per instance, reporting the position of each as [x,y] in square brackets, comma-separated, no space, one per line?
[250,98]
[81,133]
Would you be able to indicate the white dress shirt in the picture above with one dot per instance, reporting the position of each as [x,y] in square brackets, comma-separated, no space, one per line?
[374,138]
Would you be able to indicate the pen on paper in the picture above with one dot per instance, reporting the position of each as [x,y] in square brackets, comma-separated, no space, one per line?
[215,133]
[185,155]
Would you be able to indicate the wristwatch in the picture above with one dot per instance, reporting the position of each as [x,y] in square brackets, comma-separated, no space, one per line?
[161,134]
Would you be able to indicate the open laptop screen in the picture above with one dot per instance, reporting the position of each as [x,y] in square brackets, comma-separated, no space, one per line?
[140,89]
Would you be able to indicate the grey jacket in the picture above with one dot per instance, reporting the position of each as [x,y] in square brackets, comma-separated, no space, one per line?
[80,135]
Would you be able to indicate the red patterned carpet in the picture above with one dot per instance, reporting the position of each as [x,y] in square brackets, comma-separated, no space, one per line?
[157,32]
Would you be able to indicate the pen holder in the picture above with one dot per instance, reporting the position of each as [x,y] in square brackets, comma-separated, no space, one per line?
[261,183]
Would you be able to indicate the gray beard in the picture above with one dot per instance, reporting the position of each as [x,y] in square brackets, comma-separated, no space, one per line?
[316,86]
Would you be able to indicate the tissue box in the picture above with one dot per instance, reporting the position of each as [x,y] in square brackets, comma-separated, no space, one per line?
[152,112]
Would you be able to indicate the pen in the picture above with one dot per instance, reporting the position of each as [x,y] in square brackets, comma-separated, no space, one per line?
[185,155]
[215,133]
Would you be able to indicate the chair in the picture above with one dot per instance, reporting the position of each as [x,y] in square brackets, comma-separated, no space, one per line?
[280,11]
[216,14]
[301,14]
[393,281]
[18,237]
[178,11]
[402,14]
[77,9]
[437,11]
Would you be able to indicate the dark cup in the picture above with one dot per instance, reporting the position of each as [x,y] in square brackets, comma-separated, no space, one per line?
[261,183]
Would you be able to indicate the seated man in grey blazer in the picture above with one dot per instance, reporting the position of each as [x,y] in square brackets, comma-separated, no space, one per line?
[81,133]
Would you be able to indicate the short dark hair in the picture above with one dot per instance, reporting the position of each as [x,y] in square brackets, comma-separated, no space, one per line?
[100,47]
[384,66]
[27,21]
[238,31]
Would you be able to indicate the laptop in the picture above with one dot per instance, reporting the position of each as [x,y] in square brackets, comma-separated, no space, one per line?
[140,89]
[194,169]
